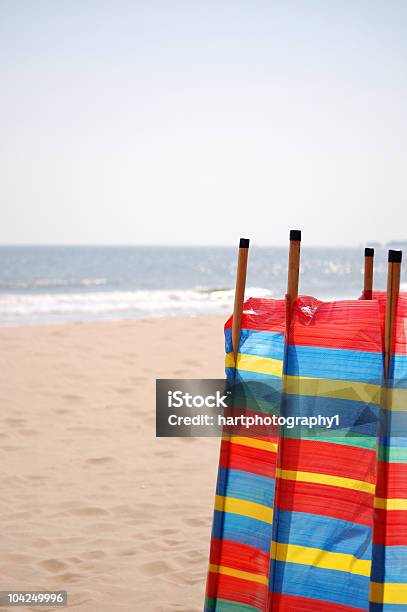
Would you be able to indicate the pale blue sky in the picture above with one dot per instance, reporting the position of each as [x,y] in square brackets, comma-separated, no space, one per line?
[167,122]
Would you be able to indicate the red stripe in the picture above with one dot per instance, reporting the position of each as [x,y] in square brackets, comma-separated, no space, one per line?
[326,500]
[238,457]
[262,314]
[352,325]
[390,528]
[239,556]
[332,459]
[391,480]
[237,590]
[291,603]
[400,337]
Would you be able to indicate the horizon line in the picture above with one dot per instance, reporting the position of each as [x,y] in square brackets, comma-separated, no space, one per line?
[373,243]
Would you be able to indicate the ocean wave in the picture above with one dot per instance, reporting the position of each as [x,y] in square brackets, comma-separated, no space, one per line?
[48,307]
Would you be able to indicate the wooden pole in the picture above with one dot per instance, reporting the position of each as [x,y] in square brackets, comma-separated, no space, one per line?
[239,293]
[393,288]
[293,265]
[292,293]
[368,276]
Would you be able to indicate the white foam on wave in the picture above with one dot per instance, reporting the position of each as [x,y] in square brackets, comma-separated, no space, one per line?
[51,283]
[26,308]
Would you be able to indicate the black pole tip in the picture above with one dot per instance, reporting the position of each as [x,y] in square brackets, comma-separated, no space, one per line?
[395,256]
[369,252]
[295,235]
[244,243]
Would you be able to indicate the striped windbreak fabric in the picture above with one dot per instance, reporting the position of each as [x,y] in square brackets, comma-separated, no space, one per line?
[388,589]
[314,520]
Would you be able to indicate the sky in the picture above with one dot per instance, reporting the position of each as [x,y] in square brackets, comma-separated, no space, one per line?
[191,122]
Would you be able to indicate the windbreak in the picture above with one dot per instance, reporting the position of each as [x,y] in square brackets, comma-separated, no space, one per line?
[314,518]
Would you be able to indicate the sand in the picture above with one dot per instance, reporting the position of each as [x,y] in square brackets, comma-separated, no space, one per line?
[91,501]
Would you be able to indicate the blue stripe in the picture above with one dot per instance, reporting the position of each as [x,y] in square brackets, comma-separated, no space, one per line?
[245,485]
[375,607]
[393,422]
[389,564]
[326,585]
[393,441]
[331,534]
[255,392]
[335,364]
[253,342]
[241,529]
[398,371]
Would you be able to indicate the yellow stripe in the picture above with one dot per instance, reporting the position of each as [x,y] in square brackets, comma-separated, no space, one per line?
[390,399]
[327,479]
[390,503]
[230,571]
[254,363]
[252,442]
[339,389]
[320,558]
[388,593]
[394,399]
[244,507]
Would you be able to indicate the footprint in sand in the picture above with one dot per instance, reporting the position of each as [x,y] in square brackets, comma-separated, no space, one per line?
[53,565]
[171,542]
[94,554]
[14,422]
[154,568]
[28,432]
[99,460]
[137,379]
[192,363]
[152,547]
[89,511]
[166,531]
[197,522]
[41,543]
[72,398]
[165,454]
[69,577]
[127,553]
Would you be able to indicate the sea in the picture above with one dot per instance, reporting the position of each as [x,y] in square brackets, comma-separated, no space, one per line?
[57,284]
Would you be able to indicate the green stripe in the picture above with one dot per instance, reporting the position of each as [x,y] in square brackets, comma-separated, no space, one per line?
[393,454]
[322,435]
[222,605]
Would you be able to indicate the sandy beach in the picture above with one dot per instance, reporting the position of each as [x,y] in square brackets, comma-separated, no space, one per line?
[91,501]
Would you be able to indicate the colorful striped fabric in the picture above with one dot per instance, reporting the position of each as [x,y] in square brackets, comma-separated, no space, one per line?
[388,589]
[239,561]
[296,514]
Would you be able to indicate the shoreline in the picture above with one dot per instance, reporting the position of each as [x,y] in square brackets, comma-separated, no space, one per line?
[126,320]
